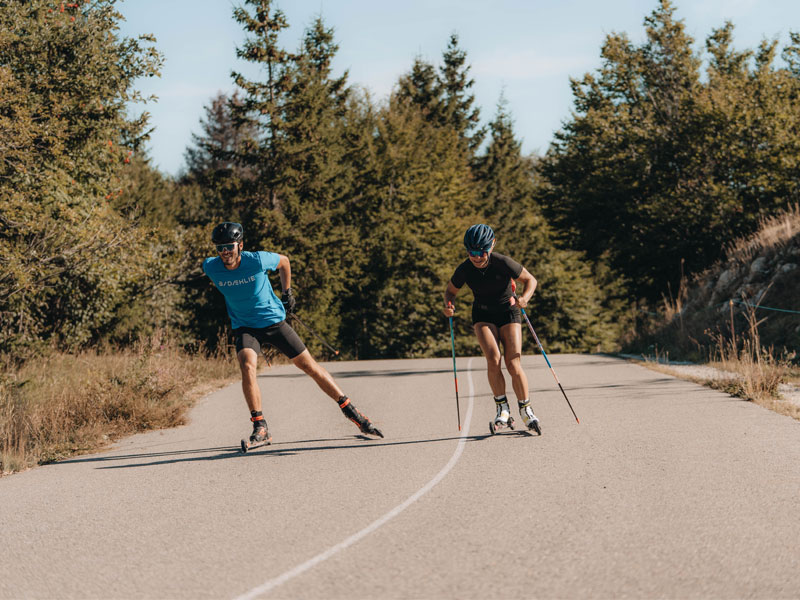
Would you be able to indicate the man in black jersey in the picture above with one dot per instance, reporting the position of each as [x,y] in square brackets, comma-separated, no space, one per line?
[496,315]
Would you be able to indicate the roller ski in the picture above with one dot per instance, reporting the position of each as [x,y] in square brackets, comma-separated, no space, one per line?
[362,422]
[530,419]
[503,419]
[259,437]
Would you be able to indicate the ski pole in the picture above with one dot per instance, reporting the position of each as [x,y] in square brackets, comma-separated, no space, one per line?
[455,373]
[547,360]
[316,335]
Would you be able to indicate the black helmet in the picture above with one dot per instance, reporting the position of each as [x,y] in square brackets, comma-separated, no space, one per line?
[479,237]
[227,232]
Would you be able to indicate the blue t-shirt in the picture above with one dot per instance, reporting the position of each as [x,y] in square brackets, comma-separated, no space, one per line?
[247,290]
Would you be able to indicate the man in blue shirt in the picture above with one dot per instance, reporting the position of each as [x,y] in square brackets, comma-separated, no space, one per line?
[259,318]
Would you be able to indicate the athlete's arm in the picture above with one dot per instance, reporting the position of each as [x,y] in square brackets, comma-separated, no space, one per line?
[450,293]
[285,272]
[528,281]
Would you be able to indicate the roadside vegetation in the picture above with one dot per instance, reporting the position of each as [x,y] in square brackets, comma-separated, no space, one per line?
[741,316]
[71,403]
[674,156]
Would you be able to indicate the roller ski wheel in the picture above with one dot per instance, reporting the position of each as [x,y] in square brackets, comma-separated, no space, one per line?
[248,445]
[496,427]
[534,426]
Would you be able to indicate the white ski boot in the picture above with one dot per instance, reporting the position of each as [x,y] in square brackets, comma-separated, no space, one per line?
[503,411]
[503,417]
[530,419]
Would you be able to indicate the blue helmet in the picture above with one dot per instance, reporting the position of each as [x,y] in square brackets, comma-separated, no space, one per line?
[479,237]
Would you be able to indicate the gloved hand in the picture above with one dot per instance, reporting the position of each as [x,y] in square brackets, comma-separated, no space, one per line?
[288,301]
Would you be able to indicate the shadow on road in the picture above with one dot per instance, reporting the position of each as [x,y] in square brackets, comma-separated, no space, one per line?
[272,451]
[384,373]
[411,373]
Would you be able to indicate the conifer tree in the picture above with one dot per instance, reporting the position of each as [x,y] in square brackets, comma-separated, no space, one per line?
[570,306]
[313,223]
[444,95]
[262,106]
[658,169]
[457,100]
[420,201]
[420,87]
[215,167]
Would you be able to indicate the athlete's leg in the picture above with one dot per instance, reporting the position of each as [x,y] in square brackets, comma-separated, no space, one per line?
[248,363]
[306,363]
[511,335]
[488,335]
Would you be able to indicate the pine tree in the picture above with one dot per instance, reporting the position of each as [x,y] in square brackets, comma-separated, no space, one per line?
[443,96]
[215,167]
[418,204]
[420,87]
[262,106]
[457,104]
[658,169]
[573,308]
[313,224]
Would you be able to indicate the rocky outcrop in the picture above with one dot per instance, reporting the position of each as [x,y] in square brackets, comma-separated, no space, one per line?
[760,273]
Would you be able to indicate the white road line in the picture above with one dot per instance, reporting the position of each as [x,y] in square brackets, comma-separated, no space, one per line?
[271,584]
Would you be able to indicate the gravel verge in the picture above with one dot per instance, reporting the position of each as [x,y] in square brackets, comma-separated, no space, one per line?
[700,373]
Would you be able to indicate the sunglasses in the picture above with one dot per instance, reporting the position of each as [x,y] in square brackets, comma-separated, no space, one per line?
[224,247]
[477,252]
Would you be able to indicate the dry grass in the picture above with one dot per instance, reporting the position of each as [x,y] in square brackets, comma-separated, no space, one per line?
[756,381]
[773,232]
[757,269]
[793,376]
[741,366]
[65,404]
[759,372]
[713,319]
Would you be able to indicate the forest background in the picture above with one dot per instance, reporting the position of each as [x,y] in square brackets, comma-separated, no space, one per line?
[669,155]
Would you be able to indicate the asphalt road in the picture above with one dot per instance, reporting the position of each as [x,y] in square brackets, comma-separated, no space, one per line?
[664,490]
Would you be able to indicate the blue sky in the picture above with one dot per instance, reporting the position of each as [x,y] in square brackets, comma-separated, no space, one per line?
[525,49]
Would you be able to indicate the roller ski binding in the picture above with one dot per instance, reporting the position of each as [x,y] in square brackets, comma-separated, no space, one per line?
[259,437]
[362,422]
[530,419]
[503,419]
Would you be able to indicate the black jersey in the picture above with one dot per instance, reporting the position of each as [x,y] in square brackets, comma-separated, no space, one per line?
[491,285]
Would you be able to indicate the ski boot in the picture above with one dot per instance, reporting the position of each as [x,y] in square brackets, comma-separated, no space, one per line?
[503,418]
[530,419]
[352,413]
[260,435]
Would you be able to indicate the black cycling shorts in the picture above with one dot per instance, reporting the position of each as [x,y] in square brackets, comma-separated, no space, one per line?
[280,335]
[497,317]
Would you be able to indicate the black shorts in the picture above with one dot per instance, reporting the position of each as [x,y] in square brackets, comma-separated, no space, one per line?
[280,335]
[496,316]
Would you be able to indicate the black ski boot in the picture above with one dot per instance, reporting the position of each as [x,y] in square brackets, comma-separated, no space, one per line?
[363,423]
[260,435]
[260,430]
